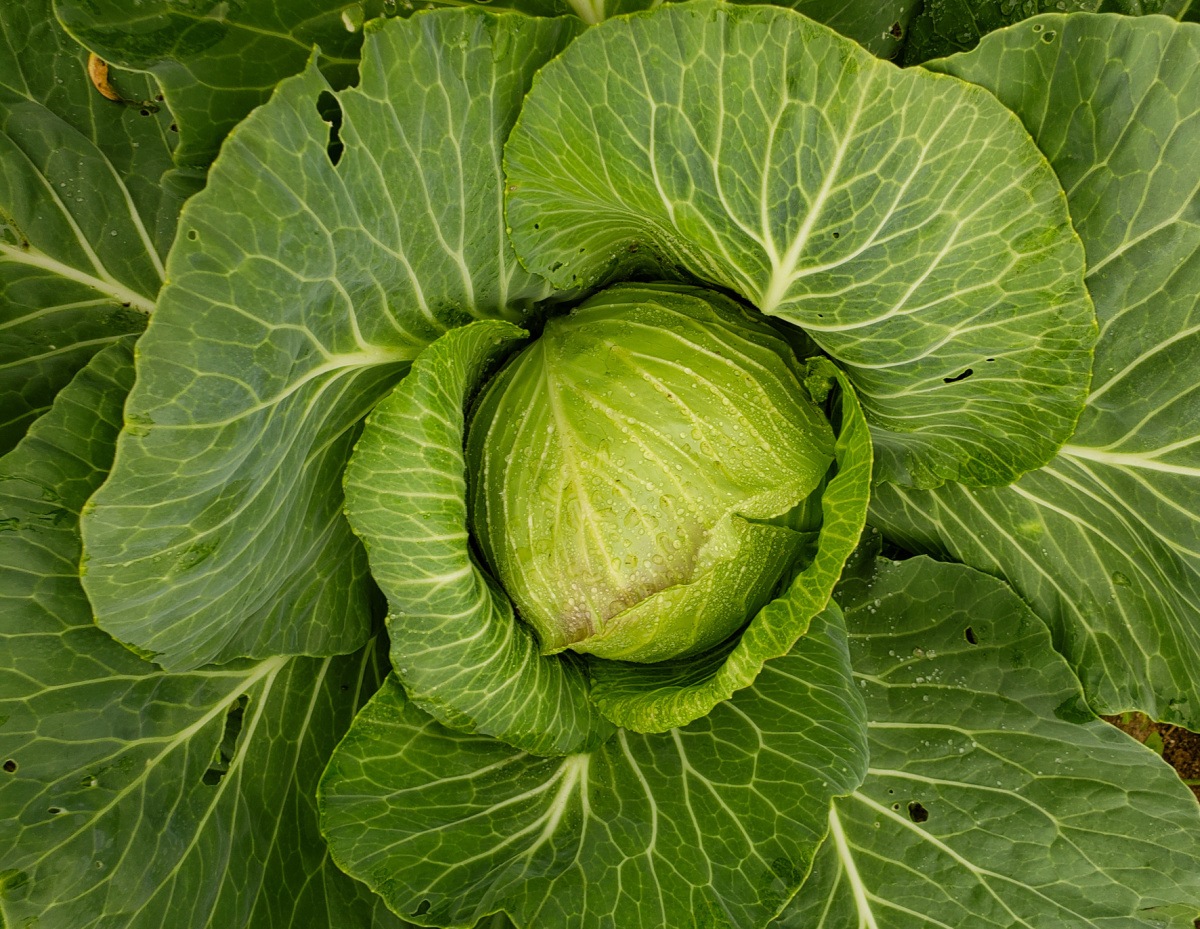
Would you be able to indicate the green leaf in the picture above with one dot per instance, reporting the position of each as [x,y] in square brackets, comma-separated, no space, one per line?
[654,698]
[216,61]
[713,825]
[903,220]
[950,26]
[1102,541]
[87,211]
[300,292]
[459,650]
[1187,11]
[136,798]
[880,26]
[994,798]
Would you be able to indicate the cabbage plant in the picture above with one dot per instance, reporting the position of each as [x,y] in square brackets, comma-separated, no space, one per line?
[653,467]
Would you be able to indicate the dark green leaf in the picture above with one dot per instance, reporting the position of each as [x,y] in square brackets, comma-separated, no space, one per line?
[879,25]
[87,211]
[994,798]
[217,60]
[300,292]
[944,27]
[135,798]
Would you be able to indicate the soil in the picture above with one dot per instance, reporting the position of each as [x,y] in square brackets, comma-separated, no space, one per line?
[1178,747]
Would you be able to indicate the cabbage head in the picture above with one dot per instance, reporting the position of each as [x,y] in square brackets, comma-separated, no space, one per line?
[632,467]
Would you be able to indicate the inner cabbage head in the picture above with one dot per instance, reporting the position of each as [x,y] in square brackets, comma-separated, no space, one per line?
[632,470]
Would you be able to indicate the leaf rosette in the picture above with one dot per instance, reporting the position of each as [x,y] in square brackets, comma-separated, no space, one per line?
[588,347]
[634,343]
[667,566]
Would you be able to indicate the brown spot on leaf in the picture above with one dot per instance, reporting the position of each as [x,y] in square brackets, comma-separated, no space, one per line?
[98,72]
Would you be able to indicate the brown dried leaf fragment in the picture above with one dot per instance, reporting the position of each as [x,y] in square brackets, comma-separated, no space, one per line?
[98,72]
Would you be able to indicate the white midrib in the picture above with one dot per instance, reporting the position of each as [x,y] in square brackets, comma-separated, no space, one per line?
[652,842]
[866,916]
[270,667]
[783,270]
[1128,460]
[106,285]
[574,772]
[298,734]
[335,363]
[237,763]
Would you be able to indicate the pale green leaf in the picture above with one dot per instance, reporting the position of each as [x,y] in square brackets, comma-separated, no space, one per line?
[1103,541]
[300,291]
[994,798]
[653,698]
[456,645]
[134,798]
[904,220]
[630,466]
[714,824]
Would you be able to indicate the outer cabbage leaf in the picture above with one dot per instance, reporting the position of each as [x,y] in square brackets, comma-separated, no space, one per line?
[714,824]
[135,798]
[1102,541]
[657,697]
[994,798]
[216,61]
[905,221]
[879,25]
[87,210]
[457,647]
[300,291]
[957,26]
